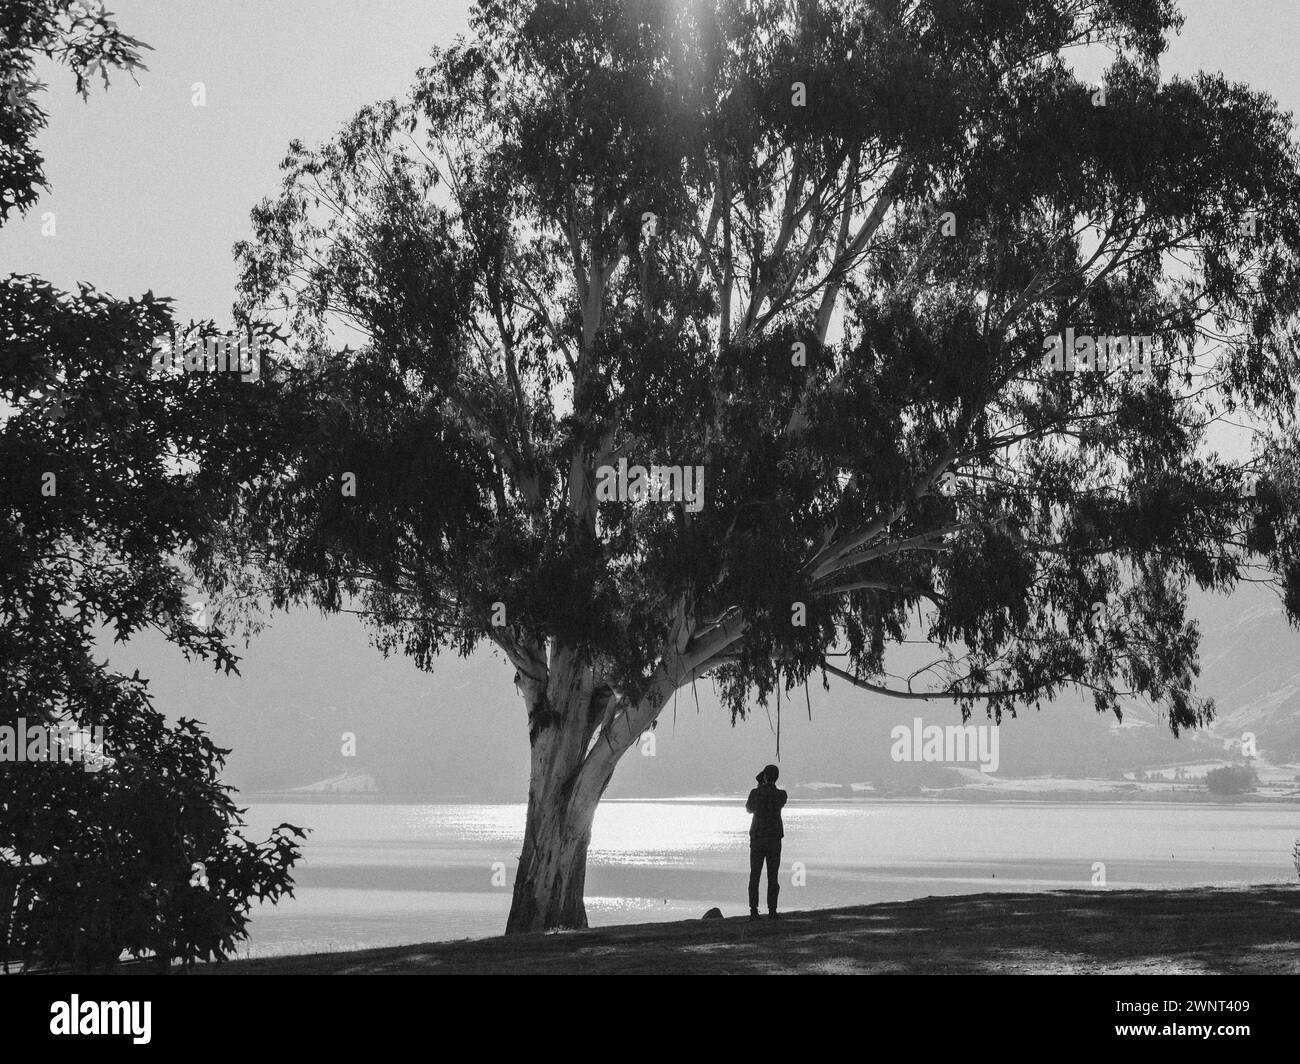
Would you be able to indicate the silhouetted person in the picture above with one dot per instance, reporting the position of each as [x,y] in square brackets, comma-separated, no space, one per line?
[765,835]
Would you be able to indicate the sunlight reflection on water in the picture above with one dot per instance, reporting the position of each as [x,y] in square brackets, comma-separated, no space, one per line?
[378,874]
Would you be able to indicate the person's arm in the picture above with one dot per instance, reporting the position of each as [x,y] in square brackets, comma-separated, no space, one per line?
[780,801]
[749,802]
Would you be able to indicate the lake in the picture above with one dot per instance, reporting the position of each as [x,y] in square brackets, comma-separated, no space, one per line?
[392,874]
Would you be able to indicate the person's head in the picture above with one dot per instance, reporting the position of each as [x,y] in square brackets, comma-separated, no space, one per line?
[769,774]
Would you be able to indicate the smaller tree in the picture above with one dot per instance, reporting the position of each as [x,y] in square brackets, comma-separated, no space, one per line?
[1231,779]
[130,847]
[106,474]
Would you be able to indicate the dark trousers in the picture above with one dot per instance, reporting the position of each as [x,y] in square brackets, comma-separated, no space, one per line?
[761,850]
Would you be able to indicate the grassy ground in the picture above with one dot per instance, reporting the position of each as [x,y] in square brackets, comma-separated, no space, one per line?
[1202,931]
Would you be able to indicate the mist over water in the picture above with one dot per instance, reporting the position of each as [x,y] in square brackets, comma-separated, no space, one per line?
[386,874]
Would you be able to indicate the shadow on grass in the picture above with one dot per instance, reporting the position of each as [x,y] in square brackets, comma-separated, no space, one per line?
[1203,930]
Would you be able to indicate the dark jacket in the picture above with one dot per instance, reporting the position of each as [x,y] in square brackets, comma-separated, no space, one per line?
[765,802]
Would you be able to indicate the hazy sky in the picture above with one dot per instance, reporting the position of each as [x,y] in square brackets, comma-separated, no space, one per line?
[149,191]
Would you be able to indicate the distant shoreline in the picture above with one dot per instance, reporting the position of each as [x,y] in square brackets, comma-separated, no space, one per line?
[944,797]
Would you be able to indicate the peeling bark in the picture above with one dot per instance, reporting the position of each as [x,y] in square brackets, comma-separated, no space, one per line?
[549,881]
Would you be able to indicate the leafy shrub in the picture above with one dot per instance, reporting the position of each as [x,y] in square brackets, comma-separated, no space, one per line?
[97,864]
[1231,779]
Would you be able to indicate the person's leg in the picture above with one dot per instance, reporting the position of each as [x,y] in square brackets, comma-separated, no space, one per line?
[755,870]
[773,865]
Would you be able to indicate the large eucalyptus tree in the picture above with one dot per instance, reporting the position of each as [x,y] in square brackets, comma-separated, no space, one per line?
[811,257]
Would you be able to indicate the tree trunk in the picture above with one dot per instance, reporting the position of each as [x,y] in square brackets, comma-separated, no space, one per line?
[552,868]
[561,802]
[578,731]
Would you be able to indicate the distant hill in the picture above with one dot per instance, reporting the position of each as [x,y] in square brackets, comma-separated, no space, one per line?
[345,783]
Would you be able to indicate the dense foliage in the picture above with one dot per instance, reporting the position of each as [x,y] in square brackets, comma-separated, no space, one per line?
[597,230]
[107,473]
[1231,779]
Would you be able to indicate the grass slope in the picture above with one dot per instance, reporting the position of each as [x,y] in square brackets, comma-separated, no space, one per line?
[1199,931]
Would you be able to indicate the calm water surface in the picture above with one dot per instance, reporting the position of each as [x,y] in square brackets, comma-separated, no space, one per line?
[380,875]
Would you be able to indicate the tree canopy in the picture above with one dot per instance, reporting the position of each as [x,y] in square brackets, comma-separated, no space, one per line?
[599,230]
